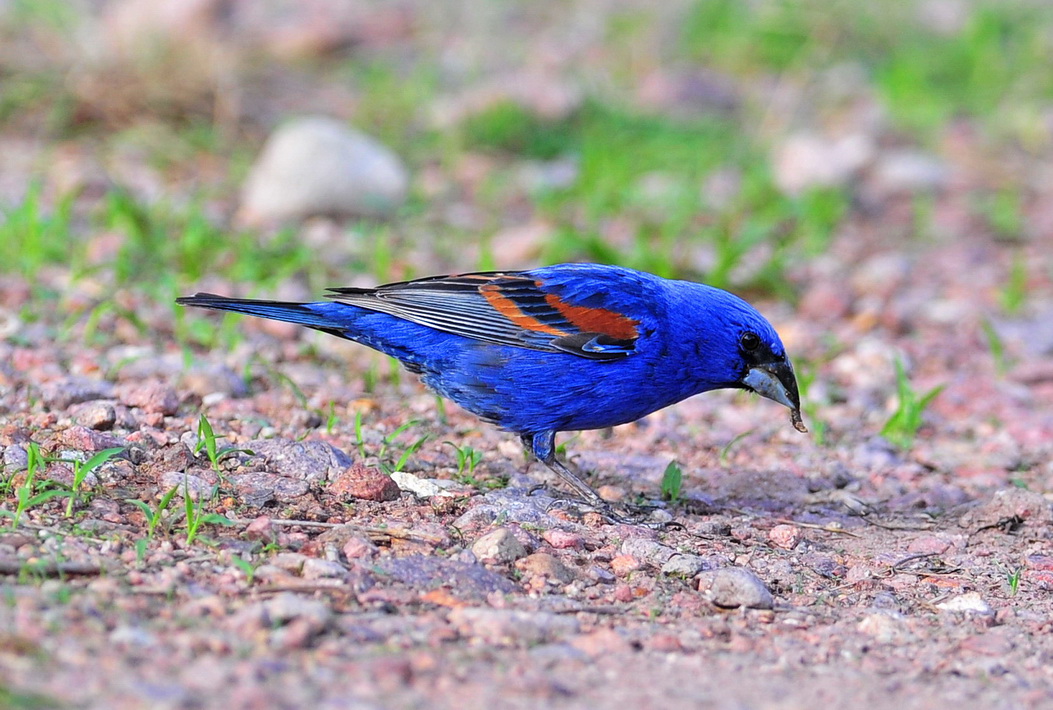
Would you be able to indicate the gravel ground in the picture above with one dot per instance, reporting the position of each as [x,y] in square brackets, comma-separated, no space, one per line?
[794,573]
[843,568]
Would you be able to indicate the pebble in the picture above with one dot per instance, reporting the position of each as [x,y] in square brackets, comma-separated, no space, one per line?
[498,546]
[465,579]
[423,488]
[648,551]
[785,536]
[99,415]
[929,545]
[289,561]
[806,161]
[16,458]
[509,627]
[318,166]
[968,603]
[261,529]
[563,540]
[732,587]
[309,460]
[542,564]
[60,394]
[624,565]
[151,397]
[359,548]
[885,627]
[187,484]
[315,568]
[909,171]
[601,641]
[292,620]
[683,565]
[257,488]
[82,438]
[600,575]
[364,483]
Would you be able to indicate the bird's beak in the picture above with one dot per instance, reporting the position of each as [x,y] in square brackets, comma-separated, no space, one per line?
[777,382]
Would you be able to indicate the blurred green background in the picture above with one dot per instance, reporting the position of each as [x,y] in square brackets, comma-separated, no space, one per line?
[730,141]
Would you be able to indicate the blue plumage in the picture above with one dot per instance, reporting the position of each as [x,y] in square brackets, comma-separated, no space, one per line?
[558,348]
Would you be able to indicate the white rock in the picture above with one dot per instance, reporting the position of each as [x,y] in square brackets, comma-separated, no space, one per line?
[498,546]
[318,166]
[732,587]
[909,171]
[314,568]
[806,161]
[683,565]
[968,603]
[885,628]
[422,487]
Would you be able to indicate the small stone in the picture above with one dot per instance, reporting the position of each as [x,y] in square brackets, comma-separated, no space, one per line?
[664,643]
[624,565]
[317,166]
[132,636]
[465,580]
[541,564]
[806,161]
[290,561]
[82,438]
[683,565]
[309,460]
[60,394]
[213,382]
[968,603]
[600,575]
[359,548]
[293,620]
[187,484]
[909,171]
[563,540]
[647,550]
[600,642]
[315,568]
[1040,563]
[928,545]
[99,415]
[423,488]
[498,546]
[257,488]
[151,397]
[885,628]
[785,536]
[508,627]
[261,529]
[731,587]
[16,458]
[364,483]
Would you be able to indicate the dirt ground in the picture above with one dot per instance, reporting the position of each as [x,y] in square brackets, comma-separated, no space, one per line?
[842,568]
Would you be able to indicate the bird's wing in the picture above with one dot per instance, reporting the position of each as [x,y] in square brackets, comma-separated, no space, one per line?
[505,308]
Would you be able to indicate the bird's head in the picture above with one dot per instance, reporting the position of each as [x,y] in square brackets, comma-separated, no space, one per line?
[741,349]
[767,370]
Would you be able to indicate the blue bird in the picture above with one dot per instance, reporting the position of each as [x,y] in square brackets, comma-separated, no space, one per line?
[557,348]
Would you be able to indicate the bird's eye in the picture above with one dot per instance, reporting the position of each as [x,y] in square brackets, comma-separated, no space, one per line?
[749,341]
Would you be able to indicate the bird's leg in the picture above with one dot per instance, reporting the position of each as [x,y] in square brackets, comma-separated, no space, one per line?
[544,447]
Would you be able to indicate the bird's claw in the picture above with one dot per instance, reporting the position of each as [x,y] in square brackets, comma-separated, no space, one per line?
[637,515]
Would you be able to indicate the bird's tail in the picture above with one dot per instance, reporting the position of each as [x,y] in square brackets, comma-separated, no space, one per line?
[300,313]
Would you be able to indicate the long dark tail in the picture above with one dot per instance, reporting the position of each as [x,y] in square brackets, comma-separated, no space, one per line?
[300,313]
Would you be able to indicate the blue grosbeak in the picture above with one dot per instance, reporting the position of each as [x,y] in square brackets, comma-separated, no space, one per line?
[558,348]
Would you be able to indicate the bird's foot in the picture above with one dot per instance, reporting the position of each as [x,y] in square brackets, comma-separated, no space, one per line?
[640,516]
